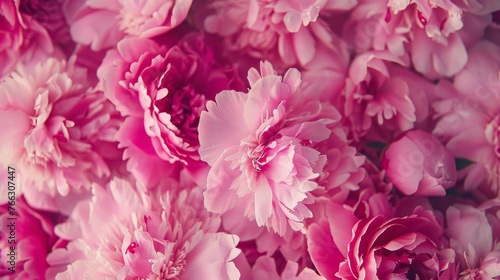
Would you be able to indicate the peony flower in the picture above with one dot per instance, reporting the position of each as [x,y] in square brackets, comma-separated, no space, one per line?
[418,164]
[291,245]
[374,90]
[53,134]
[48,13]
[23,39]
[261,149]
[432,34]
[31,235]
[123,233]
[162,92]
[406,247]
[284,31]
[474,240]
[470,117]
[102,25]
[265,268]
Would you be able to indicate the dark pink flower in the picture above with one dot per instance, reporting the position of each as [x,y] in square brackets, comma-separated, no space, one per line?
[343,246]
[162,92]
[33,233]
[49,14]
[22,39]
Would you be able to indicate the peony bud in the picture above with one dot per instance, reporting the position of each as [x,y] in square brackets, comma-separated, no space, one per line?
[417,163]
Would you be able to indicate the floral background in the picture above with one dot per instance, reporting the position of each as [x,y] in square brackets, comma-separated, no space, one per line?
[250,139]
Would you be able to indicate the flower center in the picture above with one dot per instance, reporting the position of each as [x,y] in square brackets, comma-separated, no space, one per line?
[174,266]
[256,155]
[471,274]
[184,105]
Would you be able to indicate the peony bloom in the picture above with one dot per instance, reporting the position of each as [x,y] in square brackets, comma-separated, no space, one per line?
[265,268]
[418,164]
[474,235]
[469,120]
[102,24]
[162,92]
[284,31]
[48,13]
[54,129]
[261,147]
[375,92]
[379,247]
[432,34]
[123,233]
[291,245]
[34,238]
[23,39]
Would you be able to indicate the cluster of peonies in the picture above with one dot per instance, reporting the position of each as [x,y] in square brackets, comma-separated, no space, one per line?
[250,139]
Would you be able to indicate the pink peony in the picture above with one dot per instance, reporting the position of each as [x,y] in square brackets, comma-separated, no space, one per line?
[429,33]
[122,233]
[469,120]
[374,92]
[261,149]
[474,240]
[283,31]
[33,233]
[102,24]
[407,247]
[23,39]
[418,164]
[54,128]
[162,92]
[265,268]
[291,245]
[48,13]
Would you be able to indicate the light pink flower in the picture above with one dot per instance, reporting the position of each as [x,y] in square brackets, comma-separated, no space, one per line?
[347,247]
[474,240]
[469,120]
[162,92]
[418,164]
[102,24]
[265,268]
[123,233]
[33,233]
[282,31]
[291,245]
[23,38]
[261,149]
[54,127]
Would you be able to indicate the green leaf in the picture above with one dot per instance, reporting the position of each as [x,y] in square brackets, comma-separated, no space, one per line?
[462,163]
[376,145]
